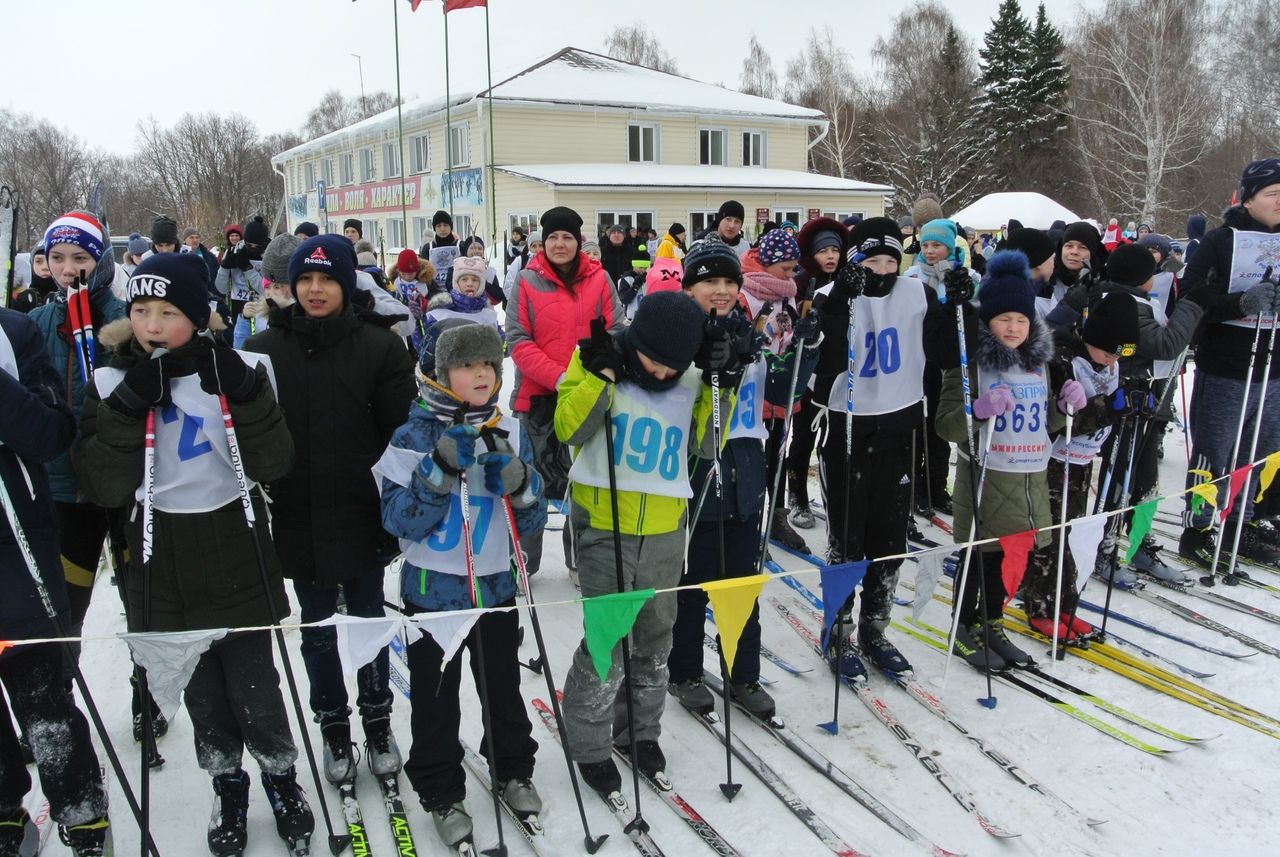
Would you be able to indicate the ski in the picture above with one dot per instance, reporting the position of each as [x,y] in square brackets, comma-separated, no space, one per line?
[354,818]
[615,801]
[528,825]
[1197,618]
[838,777]
[1216,598]
[961,794]
[767,653]
[1168,635]
[1237,577]
[397,817]
[39,823]
[712,644]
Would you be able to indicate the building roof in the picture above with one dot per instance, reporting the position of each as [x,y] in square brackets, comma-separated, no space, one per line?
[581,78]
[595,176]
[1033,210]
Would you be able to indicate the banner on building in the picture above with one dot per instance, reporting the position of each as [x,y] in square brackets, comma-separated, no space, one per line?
[462,187]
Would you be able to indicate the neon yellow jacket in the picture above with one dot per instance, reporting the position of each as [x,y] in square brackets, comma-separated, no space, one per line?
[583,398]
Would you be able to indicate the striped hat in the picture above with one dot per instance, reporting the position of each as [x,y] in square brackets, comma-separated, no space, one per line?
[79,228]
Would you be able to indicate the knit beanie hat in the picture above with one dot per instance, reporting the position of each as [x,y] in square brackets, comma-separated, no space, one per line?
[439,217]
[616,227]
[778,246]
[1258,175]
[1162,244]
[138,245]
[275,259]
[875,236]
[1006,287]
[364,253]
[1112,324]
[353,223]
[666,275]
[926,208]
[467,343]
[256,232]
[79,228]
[232,228]
[942,231]
[1085,234]
[905,222]
[407,263]
[591,245]
[535,237]
[708,259]
[1035,244]
[189,231]
[307,228]
[473,266]
[667,329]
[675,229]
[182,279]
[164,230]
[731,208]
[826,238]
[561,219]
[330,255]
[1130,265]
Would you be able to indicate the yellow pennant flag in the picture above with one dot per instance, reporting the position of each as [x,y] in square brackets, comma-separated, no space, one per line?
[1205,492]
[1269,468]
[732,601]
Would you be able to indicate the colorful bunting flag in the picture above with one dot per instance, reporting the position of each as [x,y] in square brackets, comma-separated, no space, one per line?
[1234,483]
[606,619]
[1143,515]
[455,5]
[449,629]
[361,638]
[732,601]
[928,573]
[1013,566]
[1269,467]
[1203,492]
[170,659]
[1083,537]
[838,583]
[5,644]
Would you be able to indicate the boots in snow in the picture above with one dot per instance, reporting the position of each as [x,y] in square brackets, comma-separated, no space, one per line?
[90,839]
[801,516]
[754,698]
[18,833]
[380,748]
[845,662]
[780,531]
[693,695]
[603,776]
[969,645]
[453,825]
[521,796]
[1044,625]
[1257,548]
[227,826]
[339,751]
[649,758]
[294,821]
[1000,643]
[873,644]
[1148,561]
[1196,545]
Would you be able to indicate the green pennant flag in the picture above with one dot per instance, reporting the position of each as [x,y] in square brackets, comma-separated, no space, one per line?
[606,619]
[1143,515]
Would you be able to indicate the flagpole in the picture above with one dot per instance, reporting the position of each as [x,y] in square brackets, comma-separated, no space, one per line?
[448,118]
[404,202]
[493,145]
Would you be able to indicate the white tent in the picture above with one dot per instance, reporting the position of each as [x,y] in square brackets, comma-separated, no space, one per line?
[994,210]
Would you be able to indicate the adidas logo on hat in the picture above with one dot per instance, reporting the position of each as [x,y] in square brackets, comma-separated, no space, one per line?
[702,269]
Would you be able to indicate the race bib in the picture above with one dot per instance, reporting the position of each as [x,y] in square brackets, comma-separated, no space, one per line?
[1019,439]
[1251,254]
[1084,448]
[887,352]
[748,411]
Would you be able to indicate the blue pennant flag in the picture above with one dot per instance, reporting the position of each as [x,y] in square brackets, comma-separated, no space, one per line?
[838,583]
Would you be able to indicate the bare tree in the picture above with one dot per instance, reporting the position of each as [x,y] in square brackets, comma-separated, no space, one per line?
[635,44]
[336,111]
[758,76]
[822,78]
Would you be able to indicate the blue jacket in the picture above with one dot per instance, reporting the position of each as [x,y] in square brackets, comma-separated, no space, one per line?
[35,426]
[66,367]
[412,513]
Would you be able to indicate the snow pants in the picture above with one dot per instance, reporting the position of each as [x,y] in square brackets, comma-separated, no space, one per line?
[434,767]
[235,703]
[800,451]
[59,736]
[1215,413]
[595,712]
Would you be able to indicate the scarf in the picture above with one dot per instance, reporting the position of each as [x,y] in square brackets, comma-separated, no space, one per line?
[448,407]
[462,303]
[766,287]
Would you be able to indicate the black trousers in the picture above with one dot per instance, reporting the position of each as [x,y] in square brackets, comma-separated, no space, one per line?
[741,544]
[59,736]
[876,491]
[1038,584]
[434,766]
[933,454]
[799,452]
[235,703]
[773,453]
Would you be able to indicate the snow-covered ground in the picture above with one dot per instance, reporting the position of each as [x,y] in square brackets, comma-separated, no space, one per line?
[1211,799]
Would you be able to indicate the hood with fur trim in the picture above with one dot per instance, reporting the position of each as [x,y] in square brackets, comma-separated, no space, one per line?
[117,334]
[1037,350]
[805,240]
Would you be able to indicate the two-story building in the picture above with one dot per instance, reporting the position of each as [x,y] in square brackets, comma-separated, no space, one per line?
[617,142]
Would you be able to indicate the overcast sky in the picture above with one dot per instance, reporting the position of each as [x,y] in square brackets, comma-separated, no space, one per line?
[98,67]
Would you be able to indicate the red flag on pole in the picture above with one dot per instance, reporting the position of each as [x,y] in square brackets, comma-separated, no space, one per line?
[1234,483]
[455,5]
[414,4]
[1014,565]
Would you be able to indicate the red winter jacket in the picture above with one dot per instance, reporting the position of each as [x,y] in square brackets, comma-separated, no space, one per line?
[547,318]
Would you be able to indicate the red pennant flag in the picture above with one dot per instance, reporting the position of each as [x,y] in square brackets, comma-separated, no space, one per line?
[1014,565]
[455,5]
[1234,483]
[414,4]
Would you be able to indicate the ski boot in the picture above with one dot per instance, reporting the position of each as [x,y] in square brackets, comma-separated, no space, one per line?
[339,751]
[90,839]
[802,516]
[159,723]
[380,748]
[1077,626]
[913,529]
[521,796]
[602,777]
[872,643]
[942,504]
[294,821]
[1001,645]
[755,699]
[780,531]
[1123,577]
[453,825]
[1147,560]
[1255,548]
[227,826]
[1044,625]
[18,834]
[1197,545]
[650,759]
[693,695]
[969,646]
[846,663]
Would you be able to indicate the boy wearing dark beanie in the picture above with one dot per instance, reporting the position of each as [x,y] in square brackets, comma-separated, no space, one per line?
[642,377]
[345,385]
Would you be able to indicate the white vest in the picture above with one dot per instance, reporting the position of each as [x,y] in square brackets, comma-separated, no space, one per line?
[1084,448]
[444,550]
[748,411]
[1019,439]
[1251,253]
[193,462]
[650,441]
[887,352]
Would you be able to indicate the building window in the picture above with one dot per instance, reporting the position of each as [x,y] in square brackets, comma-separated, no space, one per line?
[395,234]
[366,165]
[326,171]
[308,175]
[642,144]
[780,216]
[459,149]
[419,154]
[753,148]
[699,222]
[841,215]
[347,167]
[527,222]
[422,231]
[642,220]
[713,147]
[391,160]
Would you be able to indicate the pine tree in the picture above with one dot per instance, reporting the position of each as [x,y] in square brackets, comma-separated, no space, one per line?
[1003,63]
[1047,79]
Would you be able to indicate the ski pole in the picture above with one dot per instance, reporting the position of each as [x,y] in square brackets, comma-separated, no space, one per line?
[33,568]
[1062,539]
[1115,547]
[337,843]
[787,421]
[924,448]
[729,788]
[1219,521]
[139,673]
[482,683]
[638,822]
[591,843]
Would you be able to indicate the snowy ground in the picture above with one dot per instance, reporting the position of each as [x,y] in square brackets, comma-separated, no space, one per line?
[1211,799]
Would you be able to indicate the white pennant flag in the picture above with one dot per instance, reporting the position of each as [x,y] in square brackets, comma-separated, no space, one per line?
[928,573]
[1083,538]
[448,629]
[169,659]
[361,638]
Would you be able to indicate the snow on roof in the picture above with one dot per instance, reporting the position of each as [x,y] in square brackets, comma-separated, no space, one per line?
[668,176]
[578,77]
[1034,210]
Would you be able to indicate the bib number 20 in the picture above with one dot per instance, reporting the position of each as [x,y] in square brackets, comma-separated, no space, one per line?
[646,447]
[883,353]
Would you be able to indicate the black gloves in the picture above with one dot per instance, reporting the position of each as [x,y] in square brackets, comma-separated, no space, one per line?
[958,285]
[601,351]
[143,387]
[719,349]
[223,371]
[851,281]
[912,249]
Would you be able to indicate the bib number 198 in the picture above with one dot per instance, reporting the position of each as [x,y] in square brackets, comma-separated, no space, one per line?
[646,447]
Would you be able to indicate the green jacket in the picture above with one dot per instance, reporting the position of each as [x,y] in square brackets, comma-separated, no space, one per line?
[582,400]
